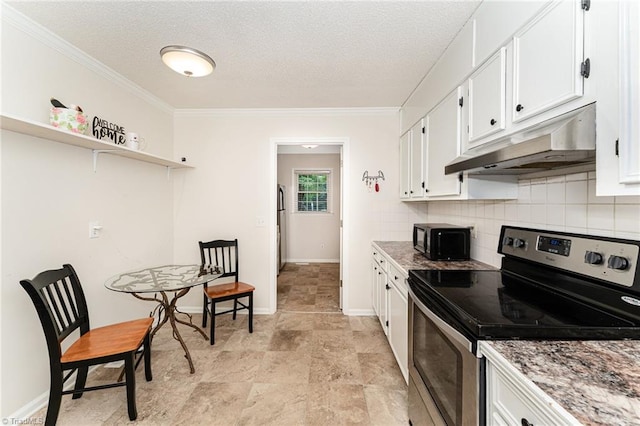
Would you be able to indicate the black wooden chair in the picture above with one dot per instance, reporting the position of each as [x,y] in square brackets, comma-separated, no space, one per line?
[62,308]
[224,255]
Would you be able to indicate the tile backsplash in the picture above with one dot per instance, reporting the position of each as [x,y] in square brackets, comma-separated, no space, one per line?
[563,203]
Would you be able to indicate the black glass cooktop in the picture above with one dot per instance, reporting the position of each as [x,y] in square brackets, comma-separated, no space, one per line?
[495,305]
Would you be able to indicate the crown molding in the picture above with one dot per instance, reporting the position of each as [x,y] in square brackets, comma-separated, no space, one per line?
[46,37]
[286,112]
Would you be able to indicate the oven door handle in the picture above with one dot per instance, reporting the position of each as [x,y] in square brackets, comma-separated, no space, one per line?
[441,324]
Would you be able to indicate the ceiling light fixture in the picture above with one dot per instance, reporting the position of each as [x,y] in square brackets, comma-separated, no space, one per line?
[309,146]
[187,61]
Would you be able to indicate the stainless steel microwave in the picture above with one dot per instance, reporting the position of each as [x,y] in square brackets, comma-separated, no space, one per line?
[442,241]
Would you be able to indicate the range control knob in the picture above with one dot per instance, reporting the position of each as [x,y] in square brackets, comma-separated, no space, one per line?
[507,241]
[618,263]
[517,243]
[593,258]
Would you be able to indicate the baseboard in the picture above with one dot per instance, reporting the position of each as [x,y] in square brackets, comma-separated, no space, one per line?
[24,415]
[313,261]
[359,312]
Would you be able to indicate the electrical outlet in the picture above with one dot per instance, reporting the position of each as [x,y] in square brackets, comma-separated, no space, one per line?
[321,245]
[474,231]
[94,229]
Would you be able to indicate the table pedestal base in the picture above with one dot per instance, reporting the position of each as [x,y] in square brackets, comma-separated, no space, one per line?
[167,310]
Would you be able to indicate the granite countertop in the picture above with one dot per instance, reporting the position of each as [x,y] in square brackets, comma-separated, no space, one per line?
[598,382]
[403,253]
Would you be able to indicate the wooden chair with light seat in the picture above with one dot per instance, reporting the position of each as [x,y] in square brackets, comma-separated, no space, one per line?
[61,305]
[224,255]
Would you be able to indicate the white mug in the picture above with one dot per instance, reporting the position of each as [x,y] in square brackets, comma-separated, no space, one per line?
[134,141]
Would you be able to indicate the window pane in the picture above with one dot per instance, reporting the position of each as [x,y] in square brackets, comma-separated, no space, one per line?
[312,192]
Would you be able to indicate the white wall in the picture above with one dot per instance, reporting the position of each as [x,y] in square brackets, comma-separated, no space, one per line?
[311,237]
[231,186]
[49,194]
[563,203]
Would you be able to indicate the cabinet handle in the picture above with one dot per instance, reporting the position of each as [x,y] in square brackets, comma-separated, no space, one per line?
[387,286]
[395,278]
[493,121]
[526,422]
[519,107]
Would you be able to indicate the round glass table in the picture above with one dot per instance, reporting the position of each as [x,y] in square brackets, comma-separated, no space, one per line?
[154,284]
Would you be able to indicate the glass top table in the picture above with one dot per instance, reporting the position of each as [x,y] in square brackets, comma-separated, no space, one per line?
[154,283]
[162,278]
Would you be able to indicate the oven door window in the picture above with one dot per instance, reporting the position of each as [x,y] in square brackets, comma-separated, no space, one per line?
[439,364]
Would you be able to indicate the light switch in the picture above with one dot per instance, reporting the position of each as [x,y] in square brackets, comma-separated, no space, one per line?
[94,229]
[260,221]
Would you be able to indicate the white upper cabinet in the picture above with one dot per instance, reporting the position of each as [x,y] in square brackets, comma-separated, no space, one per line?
[629,141]
[417,184]
[497,21]
[487,98]
[405,164]
[443,145]
[548,54]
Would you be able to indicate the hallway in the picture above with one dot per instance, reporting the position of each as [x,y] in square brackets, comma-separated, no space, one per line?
[313,287]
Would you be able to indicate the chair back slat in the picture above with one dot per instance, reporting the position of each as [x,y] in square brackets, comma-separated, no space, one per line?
[68,289]
[65,303]
[223,254]
[60,303]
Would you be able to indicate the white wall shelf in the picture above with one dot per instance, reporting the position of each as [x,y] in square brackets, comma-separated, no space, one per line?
[51,133]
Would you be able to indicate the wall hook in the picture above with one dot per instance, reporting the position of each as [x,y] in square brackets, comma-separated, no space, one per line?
[370,181]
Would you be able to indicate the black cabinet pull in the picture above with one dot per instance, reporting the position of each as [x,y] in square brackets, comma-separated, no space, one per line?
[526,422]
[387,286]
[493,121]
[519,107]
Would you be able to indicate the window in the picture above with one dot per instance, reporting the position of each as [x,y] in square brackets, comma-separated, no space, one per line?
[313,190]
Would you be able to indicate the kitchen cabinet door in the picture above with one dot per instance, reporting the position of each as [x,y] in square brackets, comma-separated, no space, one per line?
[487,98]
[443,145]
[629,141]
[405,164]
[399,326]
[382,300]
[548,53]
[375,289]
[417,184]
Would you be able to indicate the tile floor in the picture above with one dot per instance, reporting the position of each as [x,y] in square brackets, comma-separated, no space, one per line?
[299,367]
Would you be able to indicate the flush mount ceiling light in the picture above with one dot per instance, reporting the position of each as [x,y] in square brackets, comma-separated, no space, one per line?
[187,61]
[309,146]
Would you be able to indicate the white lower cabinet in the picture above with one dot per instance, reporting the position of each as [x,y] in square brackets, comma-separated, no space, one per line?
[512,399]
[390,303]
[379,281]
[398,309]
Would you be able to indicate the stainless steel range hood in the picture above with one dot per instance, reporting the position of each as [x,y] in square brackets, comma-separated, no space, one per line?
[547,148]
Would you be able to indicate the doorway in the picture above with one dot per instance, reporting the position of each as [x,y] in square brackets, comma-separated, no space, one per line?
[311,277]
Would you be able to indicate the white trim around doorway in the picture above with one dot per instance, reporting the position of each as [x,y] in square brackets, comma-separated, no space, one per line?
[275,142]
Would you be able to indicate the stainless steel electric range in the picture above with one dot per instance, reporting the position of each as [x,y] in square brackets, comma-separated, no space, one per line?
[552,285]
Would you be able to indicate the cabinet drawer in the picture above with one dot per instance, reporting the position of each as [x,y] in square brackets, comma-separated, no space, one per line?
[398,279]
[376,254]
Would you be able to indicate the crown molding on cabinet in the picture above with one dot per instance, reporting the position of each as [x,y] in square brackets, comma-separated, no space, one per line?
[43,35]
